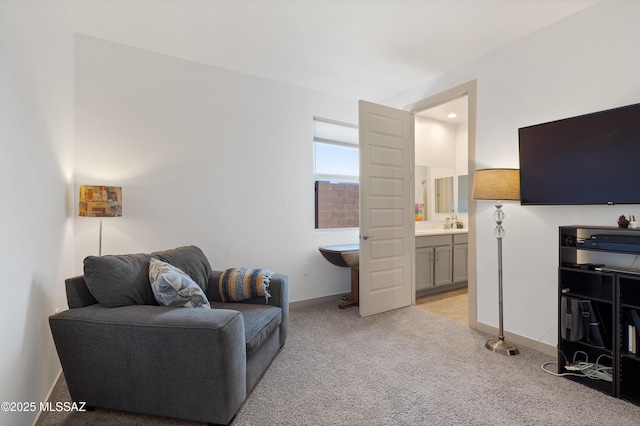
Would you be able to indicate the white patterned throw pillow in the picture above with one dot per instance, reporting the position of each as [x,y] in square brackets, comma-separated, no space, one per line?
[172,287]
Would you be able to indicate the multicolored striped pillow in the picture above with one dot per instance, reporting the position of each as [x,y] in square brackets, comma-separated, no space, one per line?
[239,284]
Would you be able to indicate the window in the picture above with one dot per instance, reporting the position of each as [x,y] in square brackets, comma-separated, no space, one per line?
[336,174]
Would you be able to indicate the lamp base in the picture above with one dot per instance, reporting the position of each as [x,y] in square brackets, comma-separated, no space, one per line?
[500,346]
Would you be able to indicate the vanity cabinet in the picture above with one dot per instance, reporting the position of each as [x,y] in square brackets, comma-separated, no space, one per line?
[460,257]
[424,268]
[441,261]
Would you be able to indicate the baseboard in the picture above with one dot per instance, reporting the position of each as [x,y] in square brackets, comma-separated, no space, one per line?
[39,420]
[318,300]
[520,341]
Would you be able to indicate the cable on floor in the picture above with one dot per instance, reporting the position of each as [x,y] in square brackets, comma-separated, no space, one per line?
[591,370]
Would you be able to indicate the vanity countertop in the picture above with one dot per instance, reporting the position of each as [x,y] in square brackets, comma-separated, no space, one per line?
[436,231]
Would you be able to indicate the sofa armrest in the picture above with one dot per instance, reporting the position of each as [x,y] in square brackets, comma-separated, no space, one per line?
[177,362]
[278,288]
[78,294]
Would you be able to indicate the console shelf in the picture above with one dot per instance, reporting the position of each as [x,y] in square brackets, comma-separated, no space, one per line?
[613,296]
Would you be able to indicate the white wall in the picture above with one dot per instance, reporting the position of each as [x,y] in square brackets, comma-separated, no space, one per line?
[36,250]
[435,143]
[205,156]
[585,63]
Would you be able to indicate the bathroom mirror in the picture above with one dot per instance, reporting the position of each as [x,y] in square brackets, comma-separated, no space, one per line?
[463,194]
[443,193]
[439,191]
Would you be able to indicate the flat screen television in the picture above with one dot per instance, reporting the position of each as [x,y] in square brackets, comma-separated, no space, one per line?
[589,159]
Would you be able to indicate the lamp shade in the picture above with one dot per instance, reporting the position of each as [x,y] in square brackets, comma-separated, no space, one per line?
[100,201]
[496,184]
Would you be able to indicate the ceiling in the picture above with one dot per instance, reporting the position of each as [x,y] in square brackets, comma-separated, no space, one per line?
[442,112]
[360,49]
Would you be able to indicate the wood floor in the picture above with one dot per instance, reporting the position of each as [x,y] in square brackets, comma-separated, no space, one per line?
[451,304]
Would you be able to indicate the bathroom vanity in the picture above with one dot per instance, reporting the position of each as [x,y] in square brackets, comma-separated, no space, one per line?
[441,260]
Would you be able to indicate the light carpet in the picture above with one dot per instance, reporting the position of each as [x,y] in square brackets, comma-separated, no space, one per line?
[404,367]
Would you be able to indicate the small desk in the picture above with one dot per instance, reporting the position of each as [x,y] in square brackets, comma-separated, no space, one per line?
[346,255]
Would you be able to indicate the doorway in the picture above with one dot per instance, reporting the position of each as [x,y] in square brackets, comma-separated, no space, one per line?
[452,304]
[437,107]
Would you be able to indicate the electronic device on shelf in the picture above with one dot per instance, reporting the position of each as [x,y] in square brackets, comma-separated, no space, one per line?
[611,242]
[589,266]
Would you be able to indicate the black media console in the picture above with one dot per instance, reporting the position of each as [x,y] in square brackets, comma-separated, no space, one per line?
[599,308]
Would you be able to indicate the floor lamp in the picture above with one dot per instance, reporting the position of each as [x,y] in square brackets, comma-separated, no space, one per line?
[498,185]
[100,201]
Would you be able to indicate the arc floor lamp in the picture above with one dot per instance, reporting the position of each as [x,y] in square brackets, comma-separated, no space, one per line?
[498,185]
[100,201]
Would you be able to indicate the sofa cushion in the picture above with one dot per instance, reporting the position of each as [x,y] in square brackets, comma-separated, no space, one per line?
[120,280]
[172,287]
[260,321]
[191,260]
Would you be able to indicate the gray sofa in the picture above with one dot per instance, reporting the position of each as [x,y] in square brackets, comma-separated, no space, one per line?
[120,350]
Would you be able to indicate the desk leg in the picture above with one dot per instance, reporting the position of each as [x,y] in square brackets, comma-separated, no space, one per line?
[354,298]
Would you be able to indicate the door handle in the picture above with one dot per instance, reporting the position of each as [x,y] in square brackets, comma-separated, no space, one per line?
[366,237]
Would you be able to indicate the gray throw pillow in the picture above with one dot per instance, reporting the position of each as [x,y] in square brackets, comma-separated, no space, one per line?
[172,287]
[119,280]
[191,260]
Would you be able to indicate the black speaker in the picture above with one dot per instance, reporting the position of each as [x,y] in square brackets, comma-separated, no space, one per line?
[569,240]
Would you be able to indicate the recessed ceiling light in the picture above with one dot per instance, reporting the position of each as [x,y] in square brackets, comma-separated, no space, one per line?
[452,115]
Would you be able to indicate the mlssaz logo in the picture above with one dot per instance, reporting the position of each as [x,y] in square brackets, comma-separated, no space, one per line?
[63,406]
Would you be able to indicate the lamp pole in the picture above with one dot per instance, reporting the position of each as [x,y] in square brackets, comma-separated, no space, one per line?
[499,345]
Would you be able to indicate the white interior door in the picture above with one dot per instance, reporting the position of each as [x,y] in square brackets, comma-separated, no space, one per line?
[387,229]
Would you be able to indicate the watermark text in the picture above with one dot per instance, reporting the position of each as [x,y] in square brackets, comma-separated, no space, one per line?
[21,406]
